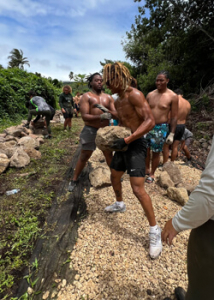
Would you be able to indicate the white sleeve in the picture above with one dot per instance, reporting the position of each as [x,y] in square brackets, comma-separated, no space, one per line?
[200,207]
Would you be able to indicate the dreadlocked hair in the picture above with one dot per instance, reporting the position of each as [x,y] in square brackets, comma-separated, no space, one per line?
[90,78]
[118,71]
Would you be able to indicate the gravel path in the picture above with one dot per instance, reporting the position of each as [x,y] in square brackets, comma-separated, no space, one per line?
[111,254]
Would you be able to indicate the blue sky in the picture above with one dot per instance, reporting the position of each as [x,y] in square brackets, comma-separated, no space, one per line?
[59,36]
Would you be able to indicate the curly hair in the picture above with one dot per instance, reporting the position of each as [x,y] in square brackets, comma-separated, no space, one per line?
[118,71]
[67,87]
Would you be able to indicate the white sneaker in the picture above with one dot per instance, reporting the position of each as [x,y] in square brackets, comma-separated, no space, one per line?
[155,247]
[115,208]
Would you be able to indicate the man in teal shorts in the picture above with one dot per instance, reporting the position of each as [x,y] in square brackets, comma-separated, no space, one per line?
[163,102]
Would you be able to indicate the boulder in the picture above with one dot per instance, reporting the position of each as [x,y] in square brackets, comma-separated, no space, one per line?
[9,138]
[173,171]
[19,159]
[4,162]
[28,142]
[8,150]
[165,180]
[179,195]
[39,124]
[33,153]
[16,131]
[100,177]
[107,135]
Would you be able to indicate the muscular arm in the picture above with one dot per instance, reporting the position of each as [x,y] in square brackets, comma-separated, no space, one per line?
[174,113]
[144,113]
[112,109]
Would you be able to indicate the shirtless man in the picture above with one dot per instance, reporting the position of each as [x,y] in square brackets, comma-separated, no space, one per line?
[76,103]
[93,118]
[184,108]
[162,101]
[134,113]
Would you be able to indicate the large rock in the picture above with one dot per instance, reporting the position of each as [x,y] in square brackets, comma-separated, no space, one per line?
[179,195]
[165,180]
[39,124]
[173,171]
[9,150]
[17,131]
[4,162]
[28,142]
[107,135]
[20,159]
[100,177]
[33,153]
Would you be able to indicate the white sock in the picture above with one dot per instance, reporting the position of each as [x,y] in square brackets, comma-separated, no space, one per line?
[120,203]
[153,228]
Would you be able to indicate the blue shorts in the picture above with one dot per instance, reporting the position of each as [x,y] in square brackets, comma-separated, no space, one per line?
[157,137]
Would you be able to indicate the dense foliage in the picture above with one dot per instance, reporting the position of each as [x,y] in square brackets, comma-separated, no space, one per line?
[177,36]
[14,87]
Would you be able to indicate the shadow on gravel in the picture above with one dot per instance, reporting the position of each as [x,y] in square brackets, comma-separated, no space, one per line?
[52,249]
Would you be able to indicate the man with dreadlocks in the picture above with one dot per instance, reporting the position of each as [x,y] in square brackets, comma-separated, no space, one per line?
[134,113]
[94,118]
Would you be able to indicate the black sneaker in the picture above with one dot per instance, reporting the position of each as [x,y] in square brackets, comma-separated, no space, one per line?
[180,293]
[48,136]
[72,185]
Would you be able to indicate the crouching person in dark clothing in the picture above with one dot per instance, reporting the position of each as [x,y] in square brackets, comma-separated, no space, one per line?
[38,106]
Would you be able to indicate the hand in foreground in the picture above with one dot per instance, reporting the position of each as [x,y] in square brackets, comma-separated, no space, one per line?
[168,233]
[101,107]
[119,144]
[105,116]
[170,138]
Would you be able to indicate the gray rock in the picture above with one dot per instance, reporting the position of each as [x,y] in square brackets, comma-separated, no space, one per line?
[100,177]
[165,180]
[107,135]
[179,195]
[173,172]
[19,159]
[28,142]
[4,162]
[33,153]
[16,131]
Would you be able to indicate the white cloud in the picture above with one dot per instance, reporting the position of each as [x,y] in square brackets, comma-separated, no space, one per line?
[60,36]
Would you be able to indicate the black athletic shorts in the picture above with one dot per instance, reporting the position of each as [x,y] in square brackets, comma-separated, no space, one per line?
[179,131]
[132,160]
[68,113]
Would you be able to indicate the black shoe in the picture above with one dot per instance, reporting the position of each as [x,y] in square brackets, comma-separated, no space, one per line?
[72,185]
[180,293]
[167,298]
[26,125]
[48,136]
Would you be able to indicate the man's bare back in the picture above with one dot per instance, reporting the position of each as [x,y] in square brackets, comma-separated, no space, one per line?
[88,109]
[184,108]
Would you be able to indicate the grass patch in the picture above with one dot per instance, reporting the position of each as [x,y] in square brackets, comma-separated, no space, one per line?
[23,215]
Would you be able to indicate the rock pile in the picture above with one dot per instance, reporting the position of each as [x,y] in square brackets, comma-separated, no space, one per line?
[19,144]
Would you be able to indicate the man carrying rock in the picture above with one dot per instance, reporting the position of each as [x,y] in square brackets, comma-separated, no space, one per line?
[134,113]
[162,101]
[198,215]
[93,118]
[184,108]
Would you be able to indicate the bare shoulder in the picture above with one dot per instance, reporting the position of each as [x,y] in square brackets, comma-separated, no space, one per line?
[135,96]
[151,94]
[85,97]
[172,95]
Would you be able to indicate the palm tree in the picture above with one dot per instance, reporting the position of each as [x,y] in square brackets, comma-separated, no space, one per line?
[17,60]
